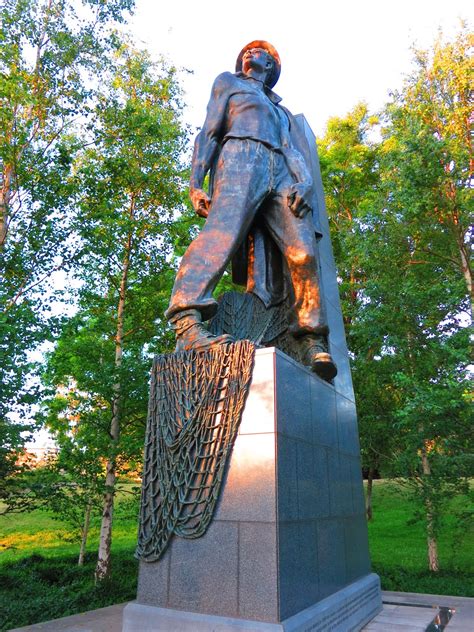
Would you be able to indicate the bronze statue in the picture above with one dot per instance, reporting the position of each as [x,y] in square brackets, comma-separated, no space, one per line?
[256,176]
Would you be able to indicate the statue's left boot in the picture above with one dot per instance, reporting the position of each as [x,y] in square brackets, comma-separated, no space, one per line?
[315,354]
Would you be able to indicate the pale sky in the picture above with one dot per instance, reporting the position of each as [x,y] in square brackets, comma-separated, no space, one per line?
[333,54]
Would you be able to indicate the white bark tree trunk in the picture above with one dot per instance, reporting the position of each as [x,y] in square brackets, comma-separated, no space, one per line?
[368,500]
[105,541]
[85,533]
[5,192]
[467,273]
[433,561]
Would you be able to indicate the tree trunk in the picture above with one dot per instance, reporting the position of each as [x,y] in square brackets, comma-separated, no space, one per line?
[5,191]
[432,547]
[433,561]
[105,541]
[368,500]
[467,273]
[85,533]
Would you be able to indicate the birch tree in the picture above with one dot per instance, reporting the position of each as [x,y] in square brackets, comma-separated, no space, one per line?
[402,251]
[132,192]
[428,163]
[430,155]
[52,52]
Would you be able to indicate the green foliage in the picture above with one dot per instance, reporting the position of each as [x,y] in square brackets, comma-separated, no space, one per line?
[51,53]
[57,587]
[399,208]
[426,166]
[428,158]
[445,582]
[69,485]
[351,175]
[398,549]
[12,472]
[131,192]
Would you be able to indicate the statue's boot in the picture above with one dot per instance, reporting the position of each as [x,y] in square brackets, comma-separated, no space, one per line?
[191,333]
[315,355]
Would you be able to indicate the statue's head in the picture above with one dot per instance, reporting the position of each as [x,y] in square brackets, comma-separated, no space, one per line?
[263,53]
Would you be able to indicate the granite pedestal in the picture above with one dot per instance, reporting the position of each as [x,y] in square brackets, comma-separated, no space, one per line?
[287,548]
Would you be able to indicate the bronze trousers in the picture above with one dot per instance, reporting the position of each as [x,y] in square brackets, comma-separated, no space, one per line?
[250,178]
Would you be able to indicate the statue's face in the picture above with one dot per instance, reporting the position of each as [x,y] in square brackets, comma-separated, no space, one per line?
[258,59]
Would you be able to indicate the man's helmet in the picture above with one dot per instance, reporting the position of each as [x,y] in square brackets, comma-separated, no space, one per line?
[266,46]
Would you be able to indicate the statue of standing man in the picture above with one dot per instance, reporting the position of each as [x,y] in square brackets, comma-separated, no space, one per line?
[256,174]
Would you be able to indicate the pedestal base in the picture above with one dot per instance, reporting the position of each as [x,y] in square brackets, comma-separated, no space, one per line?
[287,548]
[348,609]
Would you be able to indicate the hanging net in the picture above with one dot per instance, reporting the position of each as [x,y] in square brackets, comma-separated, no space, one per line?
[196,404]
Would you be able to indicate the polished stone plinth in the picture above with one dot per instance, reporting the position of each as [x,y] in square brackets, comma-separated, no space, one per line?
[404,612]
[348,609]
[289,531]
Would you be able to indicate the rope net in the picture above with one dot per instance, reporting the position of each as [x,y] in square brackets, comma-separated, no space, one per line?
[195,408]
[244,315]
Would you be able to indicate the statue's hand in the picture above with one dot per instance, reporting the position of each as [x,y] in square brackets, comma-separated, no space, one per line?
[299,199]
[201,201]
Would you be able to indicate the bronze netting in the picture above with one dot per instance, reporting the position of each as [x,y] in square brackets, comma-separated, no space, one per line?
[244,316]
[196,404]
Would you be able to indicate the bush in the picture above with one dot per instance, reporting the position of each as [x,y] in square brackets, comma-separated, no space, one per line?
[401,579]
[57,587]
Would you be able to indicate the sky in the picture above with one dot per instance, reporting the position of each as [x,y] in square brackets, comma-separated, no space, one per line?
[333,54]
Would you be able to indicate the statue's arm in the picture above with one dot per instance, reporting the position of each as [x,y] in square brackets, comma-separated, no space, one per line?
[297,166]
[300,193]
[294,159]
[208,141]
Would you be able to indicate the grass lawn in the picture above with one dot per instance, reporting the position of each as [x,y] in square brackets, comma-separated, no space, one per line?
[40,579]
[38,533]
[398,548]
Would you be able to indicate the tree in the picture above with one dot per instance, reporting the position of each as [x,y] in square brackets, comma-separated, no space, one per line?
[427,158]
[351,176]
[404,260]
[12,439]
[71,484]
[52,52]
[430,157]
[132,192]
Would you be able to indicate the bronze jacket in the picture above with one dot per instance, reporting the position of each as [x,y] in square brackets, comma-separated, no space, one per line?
[238,108]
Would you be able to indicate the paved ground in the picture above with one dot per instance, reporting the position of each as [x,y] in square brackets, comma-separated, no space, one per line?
[405,612]
[402,612]
[101,620]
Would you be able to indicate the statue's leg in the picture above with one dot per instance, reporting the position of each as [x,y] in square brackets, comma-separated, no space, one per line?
[240,185]
[296,240]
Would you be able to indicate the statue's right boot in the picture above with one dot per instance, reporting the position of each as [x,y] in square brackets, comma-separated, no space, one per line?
[191,333]
[315,354]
